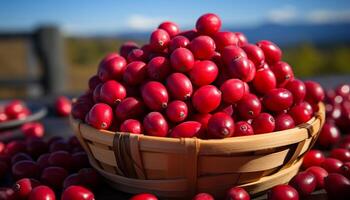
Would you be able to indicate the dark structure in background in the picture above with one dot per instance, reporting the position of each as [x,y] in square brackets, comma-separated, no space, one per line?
[48,50]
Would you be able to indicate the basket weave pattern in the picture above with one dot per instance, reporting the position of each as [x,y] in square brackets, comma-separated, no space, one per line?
[182,167]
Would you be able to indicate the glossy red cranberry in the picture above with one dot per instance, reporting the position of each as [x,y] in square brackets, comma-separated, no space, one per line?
[187,129]
[131,126]
[242,68]
[112,69]
[177,111]
[128,108]
[170,27]
[343,90]
[203,72]
[155,95]
[79,160]
[19,157]
[225,38]
[112,92]
[203,196]
[126,47]
[135,73]
[202,118]
[25,169]
[319,174]
[136,55]
[278,99]
[24,186]
[159,40]
[97,93]
[61,159]
[144,196]
[2,147]
[75,192]
[242,39]
[33,129]
[345,170]
[182,59]
[158,68]
[14,147]
[332,165]
[206,99]
[42,193]
[58,145]
[283,121]
[337,186]
[329,135]
[243,128]
[264,81]
[282,192]
[80,109]
[179,86]
[301,113]
[232,90]
[3,116]
[237,193]
[254,53]
[263,123]
[271,51]
[7,194]
[297,88]
[63,106]
[231,53]
[340,154]
[220,125]
[283,72]
[100,116]
[73,179]
[314,92]
[304,182]
[155,124]
[54,176]
[249,106]
[177,42]
[313,158]
[208,24]
[43,161]
[14,108]
[203,47]
[90,177]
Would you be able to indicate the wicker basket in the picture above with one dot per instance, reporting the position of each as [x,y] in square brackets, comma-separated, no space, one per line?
[178,168]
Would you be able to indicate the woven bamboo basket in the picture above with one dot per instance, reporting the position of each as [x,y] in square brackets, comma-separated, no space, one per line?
[178,168]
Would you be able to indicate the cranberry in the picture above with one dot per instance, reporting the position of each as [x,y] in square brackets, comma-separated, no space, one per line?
[35,147]
[278,99]
[254,53]
[232,90]
[177,42]
[14,108]
[14,147]
[337,186]
[304,183]
[129,107]
[53,176]
[182,59]
[97,93]
[243,128]
[90,177]
[208,24]
[202,47]
[340,154]
[301,113]
[220,125]
[314,92]
[24,186]
[42,193]
[77,193]
[136,55]
[112,68]
[144,196]
[264,81]
[112,92]
[249,106]
[242,68]
[61,159]
[126,47]
[237,193]
[187,129]
[58,145]
[33,129]
[343,90]
[177,111]
[271,51]
[63,106]
[282,192]
[231,53]
[19,157]
[2,147]
[179,86]
[319,174]
[283,72]
[158,68]
[25,169]
[3,116]
[345,170]
[313,158]
[329,135]
[100,116]
[206,99]
[155,95]
[159,40]
[203,196]
[7,194]
[203,72]
[332,165]
[283,121]
[170,27]
[135,73]
[73,179]
[263,123]
[43,161]
[155,124]
[298,89]
[242,39]
[225,38]
[79,160]
[202,118]
[131,126]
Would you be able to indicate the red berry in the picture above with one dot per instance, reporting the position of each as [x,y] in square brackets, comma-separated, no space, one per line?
[202,118]
[14,108]
[177,111]
[243,128]
[242,68]
[225,38]
[43,161]
[271,51]
[159,40]
[136,55]
[73,179]
[203,196]
[282,192]
[129,107]
[249,106]
[206,99]
[61,159]
[182,59]
[25,169]
[97,93]
[24,186]
[203,72]
[90,177]
[112,68]
[59,145]
[42,193]
[177,42]
[283,72]
[242,39]
[158,68]
[63,106]
[340,154]
[231,53]
[301,113]
[187,129]
[79,160]
[202,47]
[131,126]
[14,147]
[155,95]
[263,123]
[3,116]
[264,81]
[36,147]
[170,27]
[232,90]
[100,116]
[155,124]
[345,170]
[53,176]
[254,53]
[337,186]
[144,196]
[304,182]
[33,129]
[135,73]
[179,86]
[112,92]
[75,192]
[7,194]
[314,92]
[278,99]
[329,135]
[126,47]
[343,90]
[208,24]
[19,157]
[283,122]
[319,174]
[220,125]
[332,165]
[237,193]
[297,88]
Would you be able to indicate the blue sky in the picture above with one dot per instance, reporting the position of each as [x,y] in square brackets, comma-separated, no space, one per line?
[113,16]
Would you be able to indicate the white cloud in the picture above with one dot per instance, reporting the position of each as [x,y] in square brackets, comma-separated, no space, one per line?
[141,23]
[328,16]
[286,13]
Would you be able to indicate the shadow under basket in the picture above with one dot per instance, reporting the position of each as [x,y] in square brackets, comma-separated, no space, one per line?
[178,168]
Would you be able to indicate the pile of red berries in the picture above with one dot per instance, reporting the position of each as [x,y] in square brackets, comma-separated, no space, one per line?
[13,110]
[203,83]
